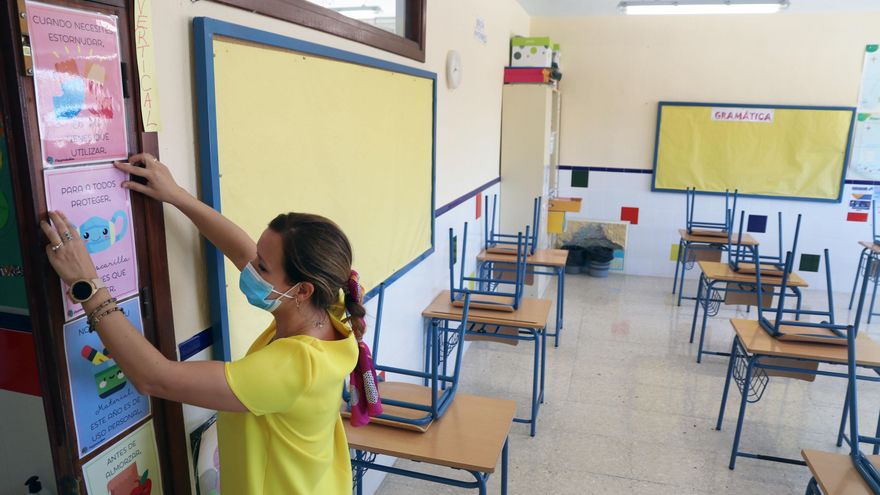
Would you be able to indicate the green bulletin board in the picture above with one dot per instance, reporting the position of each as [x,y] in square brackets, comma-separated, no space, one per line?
[12,291]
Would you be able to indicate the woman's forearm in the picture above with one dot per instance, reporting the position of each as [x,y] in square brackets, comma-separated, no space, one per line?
[222,232]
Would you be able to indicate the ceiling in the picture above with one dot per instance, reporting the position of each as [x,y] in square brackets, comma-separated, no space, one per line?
[609,7]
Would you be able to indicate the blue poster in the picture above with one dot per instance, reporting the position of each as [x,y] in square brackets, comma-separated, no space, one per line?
[105,404]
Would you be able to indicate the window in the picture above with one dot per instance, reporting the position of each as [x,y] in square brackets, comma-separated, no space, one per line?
[397,26]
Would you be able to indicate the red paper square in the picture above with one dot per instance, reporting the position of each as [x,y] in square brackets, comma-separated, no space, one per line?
[628,213]
[19,370]
[856,217]
[479,205]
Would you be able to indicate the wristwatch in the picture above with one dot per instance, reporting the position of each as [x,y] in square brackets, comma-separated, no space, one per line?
[82,290]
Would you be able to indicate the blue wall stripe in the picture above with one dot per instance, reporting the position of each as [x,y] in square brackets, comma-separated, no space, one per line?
[455,202]
[649,171]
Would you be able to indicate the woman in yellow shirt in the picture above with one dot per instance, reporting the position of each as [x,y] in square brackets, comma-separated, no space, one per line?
[279,428]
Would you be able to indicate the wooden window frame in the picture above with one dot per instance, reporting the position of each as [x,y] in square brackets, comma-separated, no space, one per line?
[302,12]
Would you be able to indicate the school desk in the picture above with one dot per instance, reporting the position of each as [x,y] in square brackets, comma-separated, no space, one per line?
[755,355]
[697,243]
[544,262]
[470,436]
[868,248]
[835,473]
[530,320]
[739,288]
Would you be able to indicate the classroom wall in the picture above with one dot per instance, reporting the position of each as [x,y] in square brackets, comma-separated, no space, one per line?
[616,69]
[468,135]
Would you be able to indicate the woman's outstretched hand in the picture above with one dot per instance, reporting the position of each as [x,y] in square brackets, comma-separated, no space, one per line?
[66,251]
[160,184]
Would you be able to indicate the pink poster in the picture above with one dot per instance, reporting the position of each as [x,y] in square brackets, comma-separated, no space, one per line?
[78,84]
[94,201]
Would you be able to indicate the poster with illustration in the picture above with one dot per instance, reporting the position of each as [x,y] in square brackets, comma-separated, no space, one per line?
[104,403]
[78,85]
[94,201]
[128,467]
[13,298]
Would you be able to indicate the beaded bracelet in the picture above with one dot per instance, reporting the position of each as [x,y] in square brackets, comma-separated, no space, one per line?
[100,307]
[93,325]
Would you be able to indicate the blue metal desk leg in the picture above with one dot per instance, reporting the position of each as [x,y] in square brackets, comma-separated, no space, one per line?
[877,434]
[677,262]
[852,295]
[683,270]
[504,468]
[707,299]
[560,298]
[733,352]
[543,361]
[536,370]
[843,418]
[428,347]
[873,298]
[800,299]
[359,474]
[747,382]
[697,306]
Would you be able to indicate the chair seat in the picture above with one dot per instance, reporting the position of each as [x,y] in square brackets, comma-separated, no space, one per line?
[493,303]
[836,474]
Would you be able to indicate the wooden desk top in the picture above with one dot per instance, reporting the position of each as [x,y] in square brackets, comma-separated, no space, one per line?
[542,257]
[747,240]
[716,270]
[758,341]
[836,474]
[532,312]
[470,435]
[870,245]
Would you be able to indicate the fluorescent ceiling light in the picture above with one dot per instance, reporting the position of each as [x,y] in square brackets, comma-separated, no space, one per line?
[685,7]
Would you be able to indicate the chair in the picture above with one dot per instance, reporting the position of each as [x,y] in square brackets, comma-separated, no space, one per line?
[440,386]
[747,259]
[719,229]
[499,288]
[506,243]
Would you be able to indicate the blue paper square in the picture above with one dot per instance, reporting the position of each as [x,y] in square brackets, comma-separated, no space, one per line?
[757,223]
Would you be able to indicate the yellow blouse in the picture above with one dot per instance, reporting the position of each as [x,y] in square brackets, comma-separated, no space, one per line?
[292,441]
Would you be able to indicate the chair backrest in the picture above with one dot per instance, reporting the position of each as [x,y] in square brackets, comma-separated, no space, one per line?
[825,331]
[738,253]
[862,464]
[492,282]
[492,239]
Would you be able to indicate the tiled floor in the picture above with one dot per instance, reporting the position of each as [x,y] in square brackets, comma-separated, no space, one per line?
[628,410]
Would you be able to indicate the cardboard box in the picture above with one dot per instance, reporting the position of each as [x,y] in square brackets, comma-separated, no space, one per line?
[531,52]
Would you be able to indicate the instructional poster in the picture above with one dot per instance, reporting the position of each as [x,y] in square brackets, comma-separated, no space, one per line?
[865,161]
[104,402]
[128,467]
[95,202]
[78,85]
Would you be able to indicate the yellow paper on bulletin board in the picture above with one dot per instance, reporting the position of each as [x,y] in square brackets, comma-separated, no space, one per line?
[763,151]
[304,133]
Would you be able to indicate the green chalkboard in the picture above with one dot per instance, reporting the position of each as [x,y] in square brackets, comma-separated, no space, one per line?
[12,292]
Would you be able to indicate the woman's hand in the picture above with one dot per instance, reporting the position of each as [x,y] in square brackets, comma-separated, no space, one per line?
[66,251]
[160,184]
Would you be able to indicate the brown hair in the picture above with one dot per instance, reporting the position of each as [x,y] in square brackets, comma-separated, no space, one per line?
[317,251]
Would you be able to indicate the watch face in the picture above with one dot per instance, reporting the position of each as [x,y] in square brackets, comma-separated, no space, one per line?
[81,290]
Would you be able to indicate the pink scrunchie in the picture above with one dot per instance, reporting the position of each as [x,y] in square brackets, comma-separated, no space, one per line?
[364,400]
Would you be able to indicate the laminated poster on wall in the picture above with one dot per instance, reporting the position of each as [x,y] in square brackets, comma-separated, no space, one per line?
[859,200]
[865,160]
[128,467]
[78,85]
[105,403]
[94,201]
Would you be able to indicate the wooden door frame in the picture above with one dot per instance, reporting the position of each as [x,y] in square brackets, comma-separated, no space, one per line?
[16,98]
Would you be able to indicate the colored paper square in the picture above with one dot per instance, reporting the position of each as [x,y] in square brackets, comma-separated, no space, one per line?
[757,223]
[629,214]
[479,205]
[809,263]
[856,217]
[673,252]
[580,178]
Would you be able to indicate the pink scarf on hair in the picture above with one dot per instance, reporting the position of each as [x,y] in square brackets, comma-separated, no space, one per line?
[364,399]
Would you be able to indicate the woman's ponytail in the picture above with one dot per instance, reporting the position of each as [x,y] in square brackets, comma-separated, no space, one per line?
[354,305]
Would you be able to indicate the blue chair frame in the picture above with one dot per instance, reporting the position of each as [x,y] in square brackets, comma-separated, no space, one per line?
[837,332]
[738,253]
[722,227]
[505,243]
[486,283]
[443,385]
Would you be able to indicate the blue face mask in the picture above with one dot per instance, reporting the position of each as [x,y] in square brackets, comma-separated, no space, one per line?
[257,290]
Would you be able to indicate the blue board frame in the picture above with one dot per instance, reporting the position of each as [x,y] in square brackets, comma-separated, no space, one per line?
[846,156]
[204,31]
